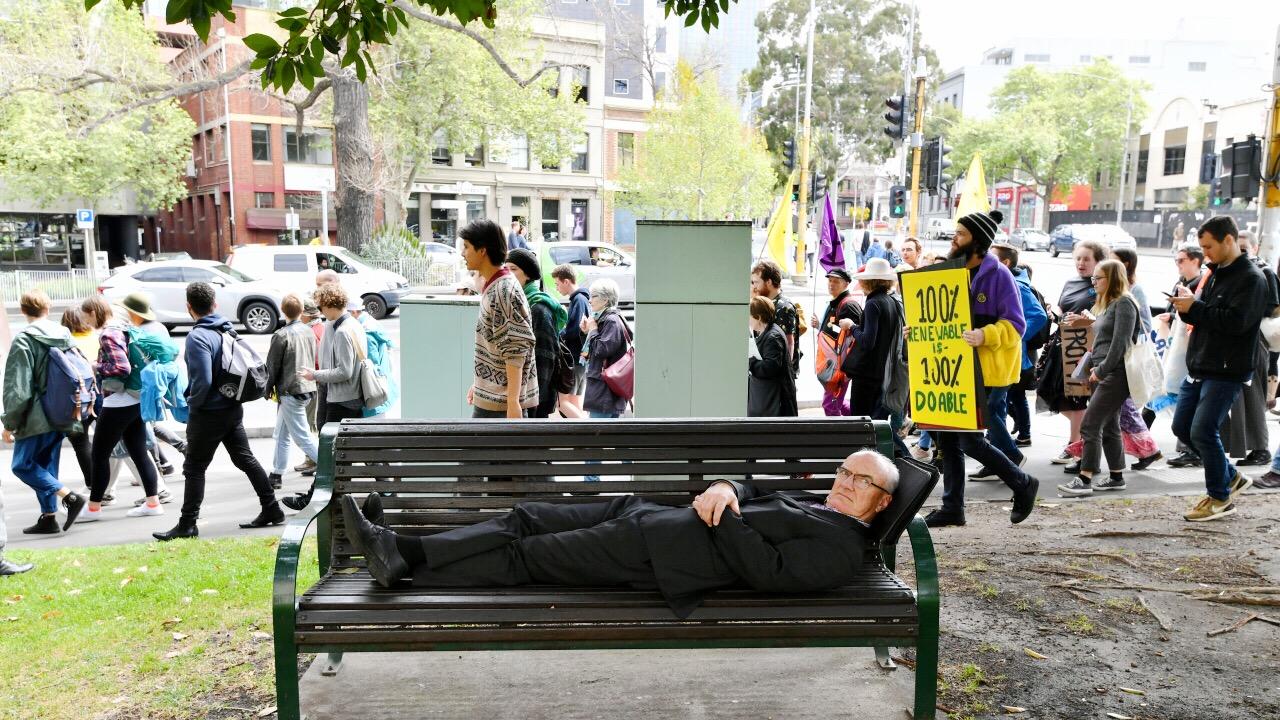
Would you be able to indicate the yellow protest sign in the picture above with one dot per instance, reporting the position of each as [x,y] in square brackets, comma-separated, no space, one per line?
[945,390]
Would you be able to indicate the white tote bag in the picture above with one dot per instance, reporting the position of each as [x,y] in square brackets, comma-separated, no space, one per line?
[1144,370]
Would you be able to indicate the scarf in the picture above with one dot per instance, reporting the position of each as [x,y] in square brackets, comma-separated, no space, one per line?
[558,313]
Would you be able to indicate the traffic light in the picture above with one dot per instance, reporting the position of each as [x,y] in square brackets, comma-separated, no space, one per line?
[897,117]
[1208,168]
[1242,169]
[898,201]
[936,165]
[943,165]
[795,192]
[819,187]
[789,154]
[1215,193]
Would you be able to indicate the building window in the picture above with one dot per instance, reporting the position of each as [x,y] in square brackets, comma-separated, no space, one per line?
[660,40]
[313,146]
[1139,59]
[1175,160]
[475,158]
[580,156]
[1036,57]
[578,211]
[659,81]
[302,201]
[621,87]
[1143,156]
[440,154]
[208,147]
[518,155]
[260,136]
[1086,58]
[626,149]
[264,199]
[1196,66]
[581,75]
[550,220]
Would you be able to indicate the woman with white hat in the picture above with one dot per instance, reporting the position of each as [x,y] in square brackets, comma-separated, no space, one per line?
[873,339]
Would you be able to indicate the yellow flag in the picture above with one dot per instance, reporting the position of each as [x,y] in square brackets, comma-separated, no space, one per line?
[974,198]
[779,237]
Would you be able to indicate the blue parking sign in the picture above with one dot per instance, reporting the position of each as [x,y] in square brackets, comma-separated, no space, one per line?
[84,219]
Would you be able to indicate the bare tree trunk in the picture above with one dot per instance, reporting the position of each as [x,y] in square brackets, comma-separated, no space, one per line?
[353,142]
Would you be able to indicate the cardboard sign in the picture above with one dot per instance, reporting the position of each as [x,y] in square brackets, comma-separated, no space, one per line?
[946,392]
[1075,343]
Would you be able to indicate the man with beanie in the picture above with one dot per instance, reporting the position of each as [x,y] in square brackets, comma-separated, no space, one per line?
[998,323]
[548,318]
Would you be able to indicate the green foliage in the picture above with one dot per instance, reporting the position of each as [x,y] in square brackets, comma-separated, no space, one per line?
[697,160]
[392,243]
[350,29]
[68,78]
[1198,198]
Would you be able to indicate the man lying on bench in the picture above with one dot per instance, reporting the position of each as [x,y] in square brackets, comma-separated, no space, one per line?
[787,541]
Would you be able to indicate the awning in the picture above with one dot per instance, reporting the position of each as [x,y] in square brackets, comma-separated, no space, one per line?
[275,219]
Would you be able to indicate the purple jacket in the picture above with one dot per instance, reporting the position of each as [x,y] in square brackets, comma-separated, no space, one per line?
[994,296]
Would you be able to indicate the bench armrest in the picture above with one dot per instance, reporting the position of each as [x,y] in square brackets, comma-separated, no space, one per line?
[284,586]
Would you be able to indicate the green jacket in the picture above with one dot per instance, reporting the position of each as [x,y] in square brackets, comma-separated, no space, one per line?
[24,377]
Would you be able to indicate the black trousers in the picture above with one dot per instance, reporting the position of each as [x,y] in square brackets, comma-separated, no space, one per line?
[544,543]
[206,430]
[82,444]
[114,425]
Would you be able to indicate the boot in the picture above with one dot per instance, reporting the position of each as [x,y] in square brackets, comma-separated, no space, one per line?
[46,525]
[186,528]
[270,515]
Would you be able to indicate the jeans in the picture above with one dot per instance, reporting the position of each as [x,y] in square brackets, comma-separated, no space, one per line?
[895,419]
[1202,406]
[121,424]
[926,440]
[997,423]
[4,530]
[1100,428]
[594,415]
[206,430]
[35,463]
[291,424]
[975,445]
[1020,410]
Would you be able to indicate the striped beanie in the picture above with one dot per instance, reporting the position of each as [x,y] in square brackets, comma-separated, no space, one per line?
[983,228]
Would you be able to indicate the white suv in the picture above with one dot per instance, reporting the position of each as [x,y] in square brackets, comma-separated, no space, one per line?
[294,268]
[256,304]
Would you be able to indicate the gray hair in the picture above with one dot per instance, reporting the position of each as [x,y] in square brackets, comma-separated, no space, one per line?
[606,289]
[886,471]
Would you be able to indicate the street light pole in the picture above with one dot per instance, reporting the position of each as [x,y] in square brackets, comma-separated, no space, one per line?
[803,208]
[226,114]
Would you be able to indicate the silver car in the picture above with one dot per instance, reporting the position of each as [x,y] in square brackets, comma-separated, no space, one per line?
[255,303]
[1029,239]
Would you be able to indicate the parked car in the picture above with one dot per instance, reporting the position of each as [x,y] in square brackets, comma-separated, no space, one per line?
[1064,237]
[593,260]
[939,228]
[1029,239]
[255,303]
[294,268]
[162,256]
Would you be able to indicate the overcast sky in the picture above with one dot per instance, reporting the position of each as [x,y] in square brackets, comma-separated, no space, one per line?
[960,30]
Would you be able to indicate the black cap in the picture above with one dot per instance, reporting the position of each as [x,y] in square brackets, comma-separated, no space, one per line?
[840,273]
[527,262]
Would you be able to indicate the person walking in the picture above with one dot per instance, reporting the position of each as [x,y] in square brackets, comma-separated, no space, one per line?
[874,339]
[771,390]
[573,337]
[1189,261]
[1244,434]
[37,443]
[548,319]
[293,348]
[607,339]
[85,337]
[766,280]
[1117,327]
[314,321]
[1224,319]
[505,384]
[1034,336]
[214,420]
[515,238]
[841,308]
[997,336]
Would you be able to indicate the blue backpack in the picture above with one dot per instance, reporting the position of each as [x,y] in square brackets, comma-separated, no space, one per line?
[70,391]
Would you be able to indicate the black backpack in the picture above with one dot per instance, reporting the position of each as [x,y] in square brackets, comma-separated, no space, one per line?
[566,365]
[1040,339]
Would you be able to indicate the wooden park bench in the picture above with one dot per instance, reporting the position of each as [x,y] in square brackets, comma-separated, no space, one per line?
[443,474]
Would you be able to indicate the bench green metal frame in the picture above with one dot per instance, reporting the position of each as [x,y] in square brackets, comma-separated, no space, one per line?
[285,604]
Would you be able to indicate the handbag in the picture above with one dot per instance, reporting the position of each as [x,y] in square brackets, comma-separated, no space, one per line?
[1143,370]
[373,387]
[1270,328]
[619,376]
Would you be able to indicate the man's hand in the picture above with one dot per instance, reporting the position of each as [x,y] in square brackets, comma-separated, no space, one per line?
[471,395]
[1183,300]
[710,504]
[514,412]
[307,374]
[846,323]
[975,338]
[8,438]
[813,321]
[588,324]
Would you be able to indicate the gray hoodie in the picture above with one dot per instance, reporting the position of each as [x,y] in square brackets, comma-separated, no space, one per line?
[343,346]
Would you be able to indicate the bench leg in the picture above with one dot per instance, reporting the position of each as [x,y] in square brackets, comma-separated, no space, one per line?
[883,660]
[927,670]
[331,664]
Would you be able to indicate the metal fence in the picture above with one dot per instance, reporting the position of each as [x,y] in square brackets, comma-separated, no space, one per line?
[59,285]
[424,272]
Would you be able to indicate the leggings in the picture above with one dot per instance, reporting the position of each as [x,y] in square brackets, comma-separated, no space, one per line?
[116,424]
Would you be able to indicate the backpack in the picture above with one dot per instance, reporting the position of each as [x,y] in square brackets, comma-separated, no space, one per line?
[243,375]
[562,376]
[70,391]
[1040,339]
[897,382]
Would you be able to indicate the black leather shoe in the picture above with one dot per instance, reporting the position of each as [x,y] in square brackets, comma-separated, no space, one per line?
[184,529]
[372,509]
[270,515]
[12,568]
[1025,502]
[1185,460]
[941,518]
[1073,468]
[378,545]
[276,481]
[46,525]
[74,503]
[1146,462]
[296,502]
[1256,457]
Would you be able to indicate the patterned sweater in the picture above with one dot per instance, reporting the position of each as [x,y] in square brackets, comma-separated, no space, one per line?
[504,333]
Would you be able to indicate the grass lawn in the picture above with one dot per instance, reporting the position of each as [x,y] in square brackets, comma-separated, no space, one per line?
[157,631]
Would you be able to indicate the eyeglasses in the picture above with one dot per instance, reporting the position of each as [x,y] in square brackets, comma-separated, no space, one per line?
[1096,278]
[864,480]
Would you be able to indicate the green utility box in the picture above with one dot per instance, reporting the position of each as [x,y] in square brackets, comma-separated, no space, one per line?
[692,297]
[437,355]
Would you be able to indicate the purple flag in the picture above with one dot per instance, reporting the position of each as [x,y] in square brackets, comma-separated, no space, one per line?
[830,248]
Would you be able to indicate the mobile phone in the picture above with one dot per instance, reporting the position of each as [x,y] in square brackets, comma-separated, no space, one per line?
[1166,294]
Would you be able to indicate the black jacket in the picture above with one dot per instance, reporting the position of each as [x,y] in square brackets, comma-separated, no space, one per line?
[771,390]
[873,339]
[777,544]
[546,349]
[1225,322]
[835,313]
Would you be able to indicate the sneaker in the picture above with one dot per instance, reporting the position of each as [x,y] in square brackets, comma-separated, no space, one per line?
[984,474]
[181,447]
[164,496]
[276,481]
[1185,460]
[1269,481]
[1063,459]
[1023,442]
[296,502]
[1112,482]
[1239,484]
[1256,457]
[921,454]
[88,515]
[74,504]
[145,510]
[1078,487]
[1146,462]
[306,468]
[108,500]
[941,518]
[165,469]
[1210,509]
[1073,468]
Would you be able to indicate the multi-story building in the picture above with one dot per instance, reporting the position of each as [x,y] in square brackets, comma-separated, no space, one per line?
[734,45]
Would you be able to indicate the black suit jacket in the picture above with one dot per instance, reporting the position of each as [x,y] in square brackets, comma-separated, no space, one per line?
[777,544]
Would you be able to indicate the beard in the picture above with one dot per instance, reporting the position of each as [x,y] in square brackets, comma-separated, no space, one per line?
[962,253]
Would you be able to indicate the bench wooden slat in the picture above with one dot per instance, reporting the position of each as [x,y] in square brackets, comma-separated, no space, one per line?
[758,452]
[570,636]
[555,488]
[553,469]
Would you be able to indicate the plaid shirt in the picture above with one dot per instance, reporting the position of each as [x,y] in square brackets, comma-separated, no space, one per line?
[113,354]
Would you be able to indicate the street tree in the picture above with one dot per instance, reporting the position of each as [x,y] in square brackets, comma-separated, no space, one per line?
[857,63]
[70,123]
[697,160]
[1052,129]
